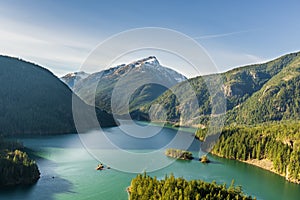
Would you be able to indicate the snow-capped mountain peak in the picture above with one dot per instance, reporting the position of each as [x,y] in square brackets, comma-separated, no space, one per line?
[151,60]
[80,75]
[73,77]
[149,65]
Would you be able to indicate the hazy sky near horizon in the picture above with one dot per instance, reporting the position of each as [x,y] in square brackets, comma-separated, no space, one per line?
[59,35]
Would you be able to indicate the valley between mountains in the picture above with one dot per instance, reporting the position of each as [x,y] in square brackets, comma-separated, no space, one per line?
[262,105]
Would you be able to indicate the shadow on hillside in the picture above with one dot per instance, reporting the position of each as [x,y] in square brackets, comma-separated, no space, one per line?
[47,187]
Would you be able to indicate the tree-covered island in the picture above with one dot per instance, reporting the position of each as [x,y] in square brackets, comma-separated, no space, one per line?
[179,154]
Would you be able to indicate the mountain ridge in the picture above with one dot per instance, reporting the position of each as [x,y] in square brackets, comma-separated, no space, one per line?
[278,99]
[35,101]
[238,85]
[146,71]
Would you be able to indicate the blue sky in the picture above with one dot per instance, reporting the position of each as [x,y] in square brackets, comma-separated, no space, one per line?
[59,35]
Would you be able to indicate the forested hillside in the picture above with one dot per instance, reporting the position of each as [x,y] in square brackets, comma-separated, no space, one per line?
[278,99]
[15,166]
[275,143]
[144,187]
[34,101]
[242,88]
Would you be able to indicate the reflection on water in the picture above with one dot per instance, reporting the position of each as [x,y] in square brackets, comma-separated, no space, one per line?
[68,170]
[47,187]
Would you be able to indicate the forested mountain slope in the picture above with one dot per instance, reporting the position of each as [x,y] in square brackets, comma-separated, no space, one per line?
[278,99]
[34,101]
[242,87]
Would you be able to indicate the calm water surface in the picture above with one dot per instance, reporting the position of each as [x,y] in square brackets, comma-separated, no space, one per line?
[68,169]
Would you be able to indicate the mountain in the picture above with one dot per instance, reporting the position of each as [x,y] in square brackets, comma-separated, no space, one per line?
[278,99]
[34,101]
[71,78]
[242,88]
[139,82]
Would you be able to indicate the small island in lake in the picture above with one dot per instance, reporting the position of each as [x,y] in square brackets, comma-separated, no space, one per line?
[179,154]
[204,159]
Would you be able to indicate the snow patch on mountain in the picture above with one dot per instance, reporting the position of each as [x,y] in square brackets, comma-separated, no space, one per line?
[74,77]
[148,65]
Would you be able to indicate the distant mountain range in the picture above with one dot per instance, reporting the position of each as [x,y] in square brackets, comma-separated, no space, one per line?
[34,101]
[71,78]
[146,75]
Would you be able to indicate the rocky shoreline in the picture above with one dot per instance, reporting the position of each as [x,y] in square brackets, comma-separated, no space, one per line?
[265,164]
[268,165]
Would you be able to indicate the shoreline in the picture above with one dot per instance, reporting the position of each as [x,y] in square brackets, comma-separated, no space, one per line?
[170,126]
[264,164]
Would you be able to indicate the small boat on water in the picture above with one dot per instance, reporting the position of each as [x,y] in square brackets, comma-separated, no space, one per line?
[100,167]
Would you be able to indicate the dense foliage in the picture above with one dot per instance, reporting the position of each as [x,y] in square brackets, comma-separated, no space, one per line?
[33,100]
[145,94]
[241,83]
[278,99]
[277,142]
[15,166]
[144,187]
[201,133]
[179,154]
[170,109]
[249,91]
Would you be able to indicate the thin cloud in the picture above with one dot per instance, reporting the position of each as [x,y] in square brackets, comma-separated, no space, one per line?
[53,51]
[221,35]
[226,59]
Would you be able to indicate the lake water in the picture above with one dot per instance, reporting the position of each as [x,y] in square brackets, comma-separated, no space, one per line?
[68,169]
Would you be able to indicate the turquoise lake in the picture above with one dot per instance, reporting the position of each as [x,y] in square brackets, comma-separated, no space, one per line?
[68,169]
